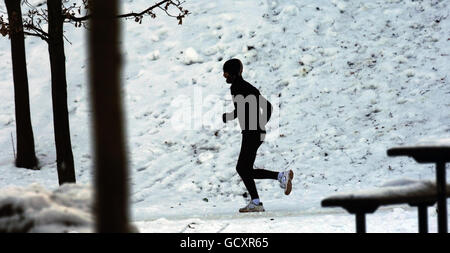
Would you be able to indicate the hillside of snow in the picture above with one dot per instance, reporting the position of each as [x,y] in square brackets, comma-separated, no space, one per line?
[348,79]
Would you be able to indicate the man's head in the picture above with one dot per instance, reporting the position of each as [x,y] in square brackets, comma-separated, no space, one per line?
[232,69]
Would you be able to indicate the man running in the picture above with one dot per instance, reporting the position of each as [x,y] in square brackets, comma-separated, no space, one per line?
[253,112]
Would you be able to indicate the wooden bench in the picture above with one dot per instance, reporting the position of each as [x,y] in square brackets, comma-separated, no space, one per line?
[435,151]
[414,193]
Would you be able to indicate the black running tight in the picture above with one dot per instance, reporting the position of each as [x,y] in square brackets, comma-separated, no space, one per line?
[244,167]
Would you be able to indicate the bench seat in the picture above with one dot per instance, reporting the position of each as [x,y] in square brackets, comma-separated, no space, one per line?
[412,192]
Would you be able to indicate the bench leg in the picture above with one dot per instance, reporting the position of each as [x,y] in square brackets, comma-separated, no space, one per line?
[423,218]
[441,197]
[360,222]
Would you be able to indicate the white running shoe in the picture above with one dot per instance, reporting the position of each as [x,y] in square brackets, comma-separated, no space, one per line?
[252,207]
[286,181]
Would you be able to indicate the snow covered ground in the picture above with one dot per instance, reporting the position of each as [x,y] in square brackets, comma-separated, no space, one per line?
[69,209]
[349,79]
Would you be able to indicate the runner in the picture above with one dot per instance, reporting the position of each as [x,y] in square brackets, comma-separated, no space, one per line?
[253,112]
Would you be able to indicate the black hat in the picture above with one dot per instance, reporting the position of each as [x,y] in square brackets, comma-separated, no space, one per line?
[233,67]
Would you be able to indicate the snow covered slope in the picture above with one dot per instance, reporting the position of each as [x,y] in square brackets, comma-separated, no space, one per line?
[349,79]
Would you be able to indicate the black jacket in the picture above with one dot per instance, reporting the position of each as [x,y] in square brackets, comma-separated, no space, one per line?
[250,107]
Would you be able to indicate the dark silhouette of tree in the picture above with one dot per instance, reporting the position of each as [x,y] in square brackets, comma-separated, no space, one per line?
[109,144]
[26,156]
[55,16]
[64,156]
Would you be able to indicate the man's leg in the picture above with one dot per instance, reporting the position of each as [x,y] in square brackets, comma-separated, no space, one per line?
[284,177]
[245,162]
[264,174]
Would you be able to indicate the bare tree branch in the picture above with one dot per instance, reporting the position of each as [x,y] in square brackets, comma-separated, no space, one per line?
[35,17]
[131,14]
[36,35]
[36,29]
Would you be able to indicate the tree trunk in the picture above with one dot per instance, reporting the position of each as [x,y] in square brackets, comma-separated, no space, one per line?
[64,156]
[109,144]
[26,156]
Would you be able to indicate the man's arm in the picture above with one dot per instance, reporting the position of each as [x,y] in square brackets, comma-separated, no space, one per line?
[230,115]
[267,109]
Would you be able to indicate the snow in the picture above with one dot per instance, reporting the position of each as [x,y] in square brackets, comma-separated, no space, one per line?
[434,142]
[348,81]
[35,209]
[393,220]
[191,56]
[392,192]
